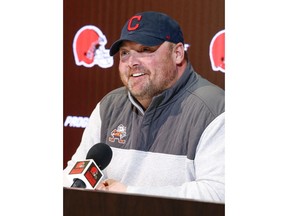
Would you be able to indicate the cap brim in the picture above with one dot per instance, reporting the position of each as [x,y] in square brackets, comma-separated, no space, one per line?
[115,47]
[145,40]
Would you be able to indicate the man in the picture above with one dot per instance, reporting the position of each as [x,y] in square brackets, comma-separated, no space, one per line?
[166,125]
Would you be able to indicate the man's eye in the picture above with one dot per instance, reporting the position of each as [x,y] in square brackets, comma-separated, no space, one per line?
[124,53]
[146,49]
[149,49]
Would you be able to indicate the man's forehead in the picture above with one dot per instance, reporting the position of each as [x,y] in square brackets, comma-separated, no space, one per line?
[131,44]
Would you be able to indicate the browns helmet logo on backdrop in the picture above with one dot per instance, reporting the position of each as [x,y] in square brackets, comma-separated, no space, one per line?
[89,48]
[217,51]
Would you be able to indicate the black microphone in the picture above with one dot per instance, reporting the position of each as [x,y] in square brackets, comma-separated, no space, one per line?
[87,173]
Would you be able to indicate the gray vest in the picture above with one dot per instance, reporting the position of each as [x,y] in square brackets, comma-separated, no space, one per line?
[172,124]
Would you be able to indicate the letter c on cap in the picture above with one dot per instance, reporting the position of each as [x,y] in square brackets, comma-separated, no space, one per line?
[131,28]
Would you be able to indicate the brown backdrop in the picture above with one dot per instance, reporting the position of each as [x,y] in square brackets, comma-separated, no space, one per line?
[84,87]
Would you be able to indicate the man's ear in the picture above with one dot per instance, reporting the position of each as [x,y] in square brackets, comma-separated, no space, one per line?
[179,53]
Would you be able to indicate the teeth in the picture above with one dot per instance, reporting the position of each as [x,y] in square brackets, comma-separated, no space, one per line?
[137,74]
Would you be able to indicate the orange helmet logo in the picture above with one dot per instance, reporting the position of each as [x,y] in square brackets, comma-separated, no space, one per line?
[89,48]
[217,52]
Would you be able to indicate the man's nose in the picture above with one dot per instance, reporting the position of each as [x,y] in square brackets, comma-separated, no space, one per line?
[133,59]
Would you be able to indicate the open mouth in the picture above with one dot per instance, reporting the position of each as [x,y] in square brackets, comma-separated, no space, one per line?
[137,74]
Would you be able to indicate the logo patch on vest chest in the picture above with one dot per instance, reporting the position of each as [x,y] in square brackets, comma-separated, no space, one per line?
[118,135]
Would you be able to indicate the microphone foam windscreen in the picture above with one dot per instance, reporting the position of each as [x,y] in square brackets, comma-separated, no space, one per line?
[101,153]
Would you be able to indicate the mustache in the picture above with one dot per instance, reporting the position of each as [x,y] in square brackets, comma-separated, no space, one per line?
[138,69]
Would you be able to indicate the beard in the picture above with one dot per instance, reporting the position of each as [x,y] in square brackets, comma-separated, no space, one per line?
[150,86]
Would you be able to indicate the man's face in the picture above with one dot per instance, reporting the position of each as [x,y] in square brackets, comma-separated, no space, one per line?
[147,71]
